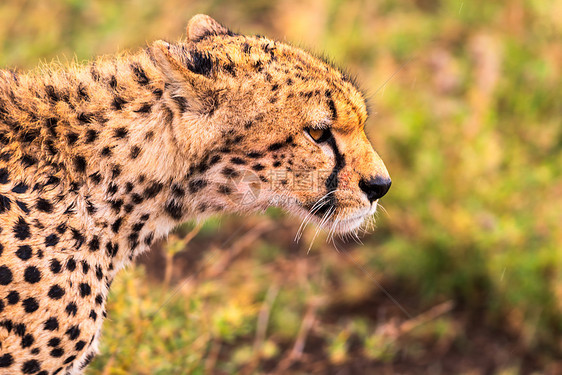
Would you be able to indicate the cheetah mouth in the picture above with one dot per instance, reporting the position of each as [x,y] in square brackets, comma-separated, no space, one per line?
[338,220]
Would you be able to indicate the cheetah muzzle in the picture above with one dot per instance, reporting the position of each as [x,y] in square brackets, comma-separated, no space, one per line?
[99,160]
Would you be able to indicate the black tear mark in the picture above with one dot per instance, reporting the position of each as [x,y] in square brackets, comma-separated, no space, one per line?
[332,181]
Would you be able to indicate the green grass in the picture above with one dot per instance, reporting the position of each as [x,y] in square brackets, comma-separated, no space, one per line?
[470,127]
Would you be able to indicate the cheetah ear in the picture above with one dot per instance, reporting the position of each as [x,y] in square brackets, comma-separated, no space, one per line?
[202,26]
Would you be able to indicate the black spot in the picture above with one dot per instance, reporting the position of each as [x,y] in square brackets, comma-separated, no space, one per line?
[5,204]
[255,155]
[85,267]
[135,151]
[23,207]
[78,238]
[29,135]
[174,209]
[200,62]
[116,225]
[140,74]
[181,102]
[120,132]
[145,108]
[27,341]
[6,360]
[51,240]
[44,205]
[85,118]
[112,82]
[94,244]
[61,228]
[71,309]
[55,341]
[85,290]
[56,292]
[57,352]
[224,189]
[24,252]
[118,103]
[71,265]
[30,305]
[32,275]
[51,324]
[52,93]
[128,208]
[153,190]
[71,138]
[30,367]
[93,315]
[277,163]
[238,161]
[19,329]
[13,297]
[99,273]
[214,160]
[82,92]
[275,146]
[55,266]
[138,226]
[80,163]
[229,172]
[112,189]
[112,249]
[106,151]
[4,176]
[21,229]
[177,190]
[80,345]
[53,180]
[129,187]
[115,171]
[157,93]
[69,359]
[28,160]
[148,239]
[196,185]
[99,299]
[91,135]
[20,188]
[246,48]
[258,167]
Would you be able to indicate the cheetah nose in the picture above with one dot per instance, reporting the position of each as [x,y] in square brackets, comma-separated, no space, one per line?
[375,187]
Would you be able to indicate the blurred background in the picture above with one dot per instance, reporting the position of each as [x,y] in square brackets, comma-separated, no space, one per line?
[463,272]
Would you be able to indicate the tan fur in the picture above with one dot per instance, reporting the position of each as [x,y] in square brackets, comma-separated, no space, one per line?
[98,160]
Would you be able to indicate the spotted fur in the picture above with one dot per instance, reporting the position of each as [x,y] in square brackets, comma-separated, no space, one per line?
[99,160]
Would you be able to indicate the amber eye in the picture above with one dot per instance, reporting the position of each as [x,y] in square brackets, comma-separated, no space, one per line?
[319,135]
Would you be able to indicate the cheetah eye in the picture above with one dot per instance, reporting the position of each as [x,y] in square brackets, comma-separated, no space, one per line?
[319,135]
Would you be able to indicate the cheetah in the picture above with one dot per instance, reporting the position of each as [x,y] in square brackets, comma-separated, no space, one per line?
[98,160]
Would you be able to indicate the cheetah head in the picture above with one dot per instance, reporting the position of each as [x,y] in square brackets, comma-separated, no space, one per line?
[273,125]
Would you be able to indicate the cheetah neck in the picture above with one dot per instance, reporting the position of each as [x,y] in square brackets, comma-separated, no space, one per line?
[105,134]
